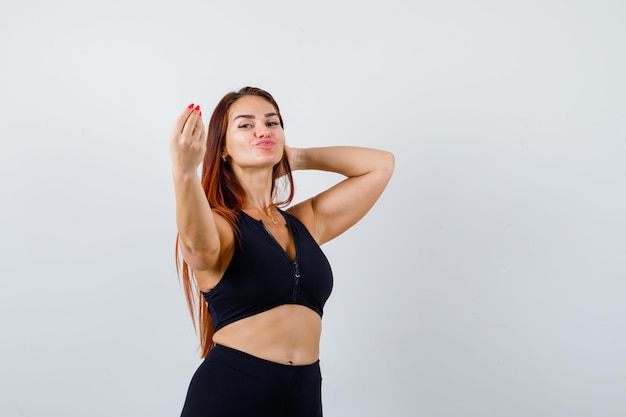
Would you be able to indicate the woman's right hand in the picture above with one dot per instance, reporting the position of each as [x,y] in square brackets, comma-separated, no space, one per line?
[187,141]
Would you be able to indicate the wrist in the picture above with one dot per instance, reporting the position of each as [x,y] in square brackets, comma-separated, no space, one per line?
[185,174]
[297,159]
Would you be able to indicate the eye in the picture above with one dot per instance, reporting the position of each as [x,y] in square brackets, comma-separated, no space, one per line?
[273,123]
[245,125]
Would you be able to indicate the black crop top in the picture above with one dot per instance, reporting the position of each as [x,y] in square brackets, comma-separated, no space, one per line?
[262,276]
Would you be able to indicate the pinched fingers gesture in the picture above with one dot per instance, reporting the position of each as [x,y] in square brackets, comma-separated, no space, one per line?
[187,140]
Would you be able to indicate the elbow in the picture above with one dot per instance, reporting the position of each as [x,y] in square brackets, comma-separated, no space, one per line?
[198,250]
[198,260]
[388,163]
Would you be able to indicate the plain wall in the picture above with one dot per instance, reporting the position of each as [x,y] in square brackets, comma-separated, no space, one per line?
[489,280]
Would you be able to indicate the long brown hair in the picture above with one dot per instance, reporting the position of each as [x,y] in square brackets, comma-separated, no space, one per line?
[226,197]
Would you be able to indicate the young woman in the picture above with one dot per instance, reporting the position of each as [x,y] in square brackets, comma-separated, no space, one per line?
[255,278]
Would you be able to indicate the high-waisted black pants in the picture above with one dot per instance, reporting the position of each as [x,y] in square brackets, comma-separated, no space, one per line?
[231,383]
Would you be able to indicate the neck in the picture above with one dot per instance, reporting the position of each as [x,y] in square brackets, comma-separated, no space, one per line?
[257,185]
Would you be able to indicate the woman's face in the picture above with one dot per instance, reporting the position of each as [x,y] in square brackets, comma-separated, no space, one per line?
[254,138]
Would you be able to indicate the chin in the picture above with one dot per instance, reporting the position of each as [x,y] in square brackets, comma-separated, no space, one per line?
[275,159]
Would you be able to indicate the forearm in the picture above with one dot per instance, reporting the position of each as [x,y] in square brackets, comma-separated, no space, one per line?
[194,218]
[350,161]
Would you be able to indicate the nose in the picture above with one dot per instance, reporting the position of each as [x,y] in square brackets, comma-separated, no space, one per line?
[263,132]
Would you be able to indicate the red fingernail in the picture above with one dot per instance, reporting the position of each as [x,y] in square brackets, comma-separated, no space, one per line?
[190,106]
[197,107]
[200,113]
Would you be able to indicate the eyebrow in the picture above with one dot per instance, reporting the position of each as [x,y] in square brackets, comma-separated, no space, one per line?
[251,116]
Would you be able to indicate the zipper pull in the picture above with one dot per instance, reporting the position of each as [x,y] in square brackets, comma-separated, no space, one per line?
[296,280]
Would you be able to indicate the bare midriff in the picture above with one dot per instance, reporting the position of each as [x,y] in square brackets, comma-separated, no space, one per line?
[287,334]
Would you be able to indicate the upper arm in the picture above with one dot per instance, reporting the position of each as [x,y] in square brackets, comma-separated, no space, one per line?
[212,261]
[335,210]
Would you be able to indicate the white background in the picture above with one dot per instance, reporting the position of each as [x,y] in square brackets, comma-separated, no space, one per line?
[489,280]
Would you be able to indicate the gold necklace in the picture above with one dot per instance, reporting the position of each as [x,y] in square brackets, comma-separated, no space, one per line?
[272,217]
[269,215]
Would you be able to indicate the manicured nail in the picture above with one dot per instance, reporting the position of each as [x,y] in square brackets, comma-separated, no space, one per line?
[197,107]
[200,113]
[190,106]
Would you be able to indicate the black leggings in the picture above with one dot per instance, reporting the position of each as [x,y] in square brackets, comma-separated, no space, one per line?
[231,383]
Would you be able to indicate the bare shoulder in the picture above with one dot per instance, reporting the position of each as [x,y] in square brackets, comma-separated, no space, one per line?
[304,212]
[227,240]
[212,261]
[224,228]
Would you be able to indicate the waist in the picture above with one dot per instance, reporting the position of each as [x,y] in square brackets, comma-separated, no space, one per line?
[288,334]
[279,375]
